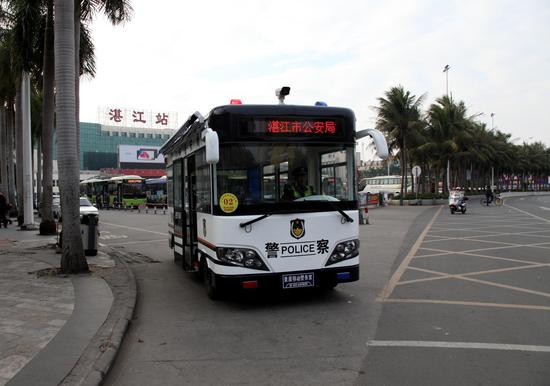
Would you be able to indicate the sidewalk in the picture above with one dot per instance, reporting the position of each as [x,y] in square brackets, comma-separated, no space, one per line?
[58,329]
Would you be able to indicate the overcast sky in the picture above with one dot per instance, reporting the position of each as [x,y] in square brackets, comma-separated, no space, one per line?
[188,56]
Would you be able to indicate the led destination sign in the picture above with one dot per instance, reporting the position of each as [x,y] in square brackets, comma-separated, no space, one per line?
[291,127]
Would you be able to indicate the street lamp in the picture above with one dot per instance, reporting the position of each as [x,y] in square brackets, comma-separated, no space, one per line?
[446,71]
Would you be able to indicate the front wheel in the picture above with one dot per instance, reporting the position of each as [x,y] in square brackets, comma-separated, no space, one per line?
[463,210]
[499,201]
[211,291]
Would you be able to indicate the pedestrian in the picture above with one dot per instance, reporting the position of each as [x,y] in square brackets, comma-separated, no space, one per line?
[4,206]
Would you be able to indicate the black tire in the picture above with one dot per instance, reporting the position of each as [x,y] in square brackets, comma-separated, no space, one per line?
[452,211]
[211,291]
[463,210]
[328,286]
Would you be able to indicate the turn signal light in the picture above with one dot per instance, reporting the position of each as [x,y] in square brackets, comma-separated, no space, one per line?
[236,102]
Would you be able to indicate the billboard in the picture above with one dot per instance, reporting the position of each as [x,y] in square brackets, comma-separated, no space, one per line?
[131,154]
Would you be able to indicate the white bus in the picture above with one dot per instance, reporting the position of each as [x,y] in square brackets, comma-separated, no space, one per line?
[250,198]
[389,185]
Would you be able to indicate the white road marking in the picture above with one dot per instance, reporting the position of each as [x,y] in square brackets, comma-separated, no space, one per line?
[136,229]
[544,208]
[141,242]
[465,345]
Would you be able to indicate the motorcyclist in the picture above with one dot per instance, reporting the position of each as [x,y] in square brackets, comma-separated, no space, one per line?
[489,195]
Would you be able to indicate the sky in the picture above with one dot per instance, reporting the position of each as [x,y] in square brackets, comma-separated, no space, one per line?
[192,56]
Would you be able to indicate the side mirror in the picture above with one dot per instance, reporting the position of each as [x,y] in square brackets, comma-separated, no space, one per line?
[379,141]
[212,146]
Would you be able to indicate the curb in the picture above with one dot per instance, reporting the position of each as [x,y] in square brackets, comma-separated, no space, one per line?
[96,360]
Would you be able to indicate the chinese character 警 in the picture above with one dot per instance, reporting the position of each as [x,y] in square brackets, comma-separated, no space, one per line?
[271,247]
[115,115]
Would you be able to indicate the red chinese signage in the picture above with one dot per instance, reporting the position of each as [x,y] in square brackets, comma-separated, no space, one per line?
[116,116]
[301,127]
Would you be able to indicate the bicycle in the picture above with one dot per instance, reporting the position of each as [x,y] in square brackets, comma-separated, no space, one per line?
[497,201]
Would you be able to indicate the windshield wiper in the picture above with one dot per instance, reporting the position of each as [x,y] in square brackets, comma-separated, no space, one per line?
[344,214]
[245,224]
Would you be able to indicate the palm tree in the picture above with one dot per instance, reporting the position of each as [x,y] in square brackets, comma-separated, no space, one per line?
[72,259]
[398,115]
[447,127]
[117,11]
[47,225]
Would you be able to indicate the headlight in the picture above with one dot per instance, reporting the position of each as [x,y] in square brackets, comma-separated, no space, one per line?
[343,251]
[241,257]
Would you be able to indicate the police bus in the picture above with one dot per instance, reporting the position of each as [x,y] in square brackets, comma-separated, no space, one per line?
[263,196]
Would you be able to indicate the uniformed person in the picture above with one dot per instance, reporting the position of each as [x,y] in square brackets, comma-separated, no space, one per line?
[299,187]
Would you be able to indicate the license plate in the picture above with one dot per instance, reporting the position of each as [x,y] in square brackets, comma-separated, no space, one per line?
[299,280]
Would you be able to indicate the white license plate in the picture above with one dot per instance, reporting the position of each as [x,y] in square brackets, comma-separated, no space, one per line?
[299,280]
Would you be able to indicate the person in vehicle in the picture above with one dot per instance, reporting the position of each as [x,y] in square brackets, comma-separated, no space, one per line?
[299,187]
[489,195]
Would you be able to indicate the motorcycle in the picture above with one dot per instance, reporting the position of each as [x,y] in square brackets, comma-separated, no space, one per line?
[457,202]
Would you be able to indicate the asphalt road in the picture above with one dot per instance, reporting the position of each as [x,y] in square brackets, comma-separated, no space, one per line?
[470,303]
[442,299]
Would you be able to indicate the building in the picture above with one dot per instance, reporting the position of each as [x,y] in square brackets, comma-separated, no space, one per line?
[99,149]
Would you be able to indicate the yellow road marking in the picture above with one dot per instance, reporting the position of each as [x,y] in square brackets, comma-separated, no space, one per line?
[467,303]
[527,213]
[473,273]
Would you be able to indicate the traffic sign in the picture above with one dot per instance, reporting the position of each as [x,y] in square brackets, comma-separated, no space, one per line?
[416,171]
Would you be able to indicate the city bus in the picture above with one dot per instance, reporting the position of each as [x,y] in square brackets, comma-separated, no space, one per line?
[390,185]
[115,192]
[155,190]
[232,218]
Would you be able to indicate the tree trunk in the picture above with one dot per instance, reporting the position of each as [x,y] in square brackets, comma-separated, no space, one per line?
[3,153]
[47,226]
[38,172]
[10,146]
[403,171]
[72,259]
[77,12]
[19,153]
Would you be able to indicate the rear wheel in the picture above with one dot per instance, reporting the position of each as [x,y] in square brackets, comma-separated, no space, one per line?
[463,210]
[499,201]
[452,210]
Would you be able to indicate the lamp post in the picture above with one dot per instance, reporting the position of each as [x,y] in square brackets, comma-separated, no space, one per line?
[446,71]
[492,167]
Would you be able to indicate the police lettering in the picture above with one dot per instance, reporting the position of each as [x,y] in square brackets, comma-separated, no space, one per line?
[297,249]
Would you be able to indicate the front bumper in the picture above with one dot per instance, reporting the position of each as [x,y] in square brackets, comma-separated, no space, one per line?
[274,281]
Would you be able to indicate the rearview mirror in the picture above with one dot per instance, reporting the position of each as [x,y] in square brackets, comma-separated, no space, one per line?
[379,141]
[212,146]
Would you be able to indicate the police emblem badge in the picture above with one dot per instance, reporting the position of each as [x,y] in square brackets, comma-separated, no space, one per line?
[297,228]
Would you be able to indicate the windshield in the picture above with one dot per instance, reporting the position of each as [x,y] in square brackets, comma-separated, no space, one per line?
[282,173]
[85,202]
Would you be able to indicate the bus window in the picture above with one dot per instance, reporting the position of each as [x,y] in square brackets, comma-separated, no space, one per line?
[203,202]
[269,186]
[334,177]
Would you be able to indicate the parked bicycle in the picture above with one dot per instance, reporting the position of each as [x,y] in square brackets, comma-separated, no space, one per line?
[497,200]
